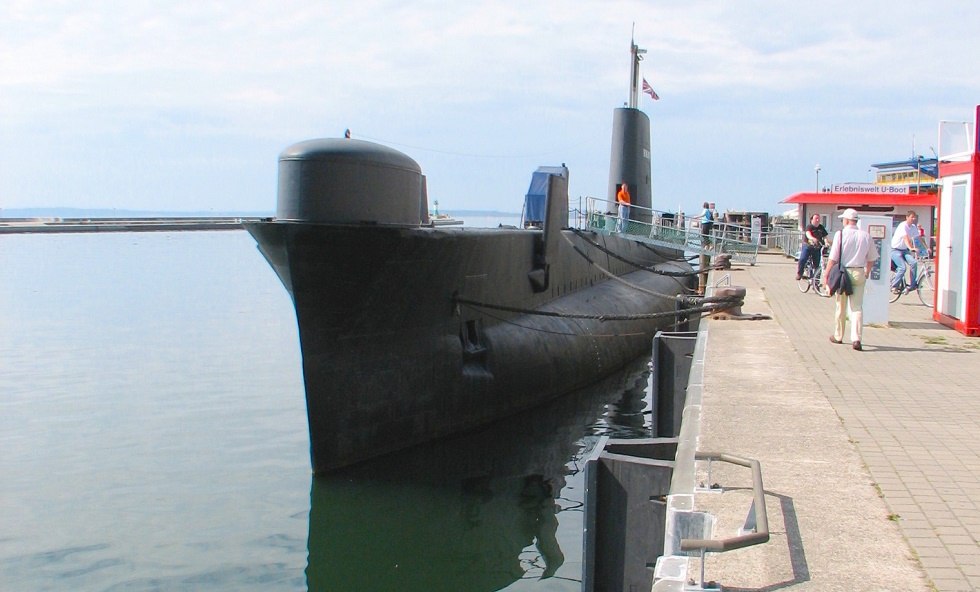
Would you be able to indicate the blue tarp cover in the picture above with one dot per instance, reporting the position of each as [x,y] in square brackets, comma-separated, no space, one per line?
[535,199]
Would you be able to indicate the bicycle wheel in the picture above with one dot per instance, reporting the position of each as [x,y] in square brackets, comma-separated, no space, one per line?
[821,288]
[893,295]
[927,290]
[804,282]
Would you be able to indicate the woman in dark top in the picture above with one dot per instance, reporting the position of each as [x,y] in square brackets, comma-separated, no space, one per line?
[814,238]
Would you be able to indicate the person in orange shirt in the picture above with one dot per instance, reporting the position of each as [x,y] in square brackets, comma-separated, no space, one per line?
[623,200]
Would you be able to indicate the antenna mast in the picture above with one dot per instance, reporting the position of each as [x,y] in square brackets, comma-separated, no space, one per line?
[636,55]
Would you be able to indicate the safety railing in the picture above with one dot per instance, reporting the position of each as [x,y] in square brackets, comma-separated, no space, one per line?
[758,520]
[788,240]
[665,229]
[671,571]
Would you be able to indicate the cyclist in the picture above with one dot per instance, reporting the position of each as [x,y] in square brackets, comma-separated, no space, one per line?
[904,250]
[814,238]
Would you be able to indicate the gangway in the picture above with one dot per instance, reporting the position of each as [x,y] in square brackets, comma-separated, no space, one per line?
[663,230]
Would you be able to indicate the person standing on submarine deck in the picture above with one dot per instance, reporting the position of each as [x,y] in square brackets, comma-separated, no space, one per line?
[707,221]
[623,200]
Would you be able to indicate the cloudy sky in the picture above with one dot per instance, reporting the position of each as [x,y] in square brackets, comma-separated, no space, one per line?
[185,106]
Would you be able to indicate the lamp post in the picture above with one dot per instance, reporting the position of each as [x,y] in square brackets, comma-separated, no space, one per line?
[918,173]
[816,169]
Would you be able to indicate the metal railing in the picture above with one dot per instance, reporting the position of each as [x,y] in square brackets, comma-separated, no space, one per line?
[788,240]
[760,524]
[756,524]
[663,230]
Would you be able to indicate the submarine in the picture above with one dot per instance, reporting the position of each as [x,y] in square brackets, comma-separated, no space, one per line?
[412,332]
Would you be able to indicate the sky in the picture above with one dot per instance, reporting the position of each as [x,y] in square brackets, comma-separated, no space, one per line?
[185,106]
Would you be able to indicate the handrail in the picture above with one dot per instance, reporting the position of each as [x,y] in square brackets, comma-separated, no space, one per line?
[758,500]
[787,239]
[592,204]
[663,229]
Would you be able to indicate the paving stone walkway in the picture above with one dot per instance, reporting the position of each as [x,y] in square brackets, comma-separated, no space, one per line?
[871,459]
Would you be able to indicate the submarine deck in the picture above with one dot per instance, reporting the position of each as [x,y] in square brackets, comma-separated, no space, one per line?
[739,242]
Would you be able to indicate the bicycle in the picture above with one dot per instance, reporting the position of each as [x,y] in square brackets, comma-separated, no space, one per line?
[811,277]
[926,288]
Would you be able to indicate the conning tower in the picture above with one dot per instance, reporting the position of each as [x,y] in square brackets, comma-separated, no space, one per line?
[629,160]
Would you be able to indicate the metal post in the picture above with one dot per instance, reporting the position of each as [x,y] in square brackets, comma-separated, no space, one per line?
[704,262]
[701,581]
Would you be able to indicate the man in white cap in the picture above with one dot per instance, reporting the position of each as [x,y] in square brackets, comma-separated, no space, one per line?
[852,247]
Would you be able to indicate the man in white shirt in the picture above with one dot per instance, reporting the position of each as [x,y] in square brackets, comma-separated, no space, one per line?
[903,251]
[852,247]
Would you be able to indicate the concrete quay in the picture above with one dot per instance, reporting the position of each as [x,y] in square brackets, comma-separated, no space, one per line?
[870,459]
[160,224]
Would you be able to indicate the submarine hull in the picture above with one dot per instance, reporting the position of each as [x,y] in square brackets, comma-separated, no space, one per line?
[414,333]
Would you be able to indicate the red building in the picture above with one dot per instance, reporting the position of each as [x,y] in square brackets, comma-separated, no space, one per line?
[879,199]
[957,260]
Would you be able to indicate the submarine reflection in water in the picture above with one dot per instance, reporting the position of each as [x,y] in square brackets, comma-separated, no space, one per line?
[476,512]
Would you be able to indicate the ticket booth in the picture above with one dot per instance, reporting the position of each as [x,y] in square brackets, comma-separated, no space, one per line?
[957,265]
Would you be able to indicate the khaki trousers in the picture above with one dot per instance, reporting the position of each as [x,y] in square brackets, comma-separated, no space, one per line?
[850,306]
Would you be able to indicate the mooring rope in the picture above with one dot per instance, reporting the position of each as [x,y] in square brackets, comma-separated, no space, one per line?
[615,277]
[616,255]
[562,333]
[690,304]
[734,300]
[709,308]
[659,251]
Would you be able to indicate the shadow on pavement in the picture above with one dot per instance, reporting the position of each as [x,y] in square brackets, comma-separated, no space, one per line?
[887,348]
[926,325]
[794,543]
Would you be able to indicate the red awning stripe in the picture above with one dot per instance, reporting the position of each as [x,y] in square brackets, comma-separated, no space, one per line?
[856,200]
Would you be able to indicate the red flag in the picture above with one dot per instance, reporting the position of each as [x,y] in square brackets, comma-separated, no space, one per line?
[649,90]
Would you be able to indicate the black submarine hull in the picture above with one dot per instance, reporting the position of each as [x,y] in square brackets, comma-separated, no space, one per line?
[411,332]
[395,352]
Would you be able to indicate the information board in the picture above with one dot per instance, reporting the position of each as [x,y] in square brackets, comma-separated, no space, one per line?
[877,232]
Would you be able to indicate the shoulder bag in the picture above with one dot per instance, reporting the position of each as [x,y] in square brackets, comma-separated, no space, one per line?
[838,282]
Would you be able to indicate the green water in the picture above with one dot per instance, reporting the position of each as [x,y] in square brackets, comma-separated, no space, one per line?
[153,437]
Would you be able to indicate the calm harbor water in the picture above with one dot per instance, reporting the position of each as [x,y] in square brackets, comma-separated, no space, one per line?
[153,437]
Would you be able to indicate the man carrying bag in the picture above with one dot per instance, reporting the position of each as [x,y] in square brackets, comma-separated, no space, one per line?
[853,254]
